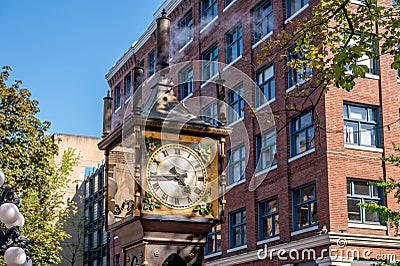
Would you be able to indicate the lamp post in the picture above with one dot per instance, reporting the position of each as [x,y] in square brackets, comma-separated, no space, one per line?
[13,246]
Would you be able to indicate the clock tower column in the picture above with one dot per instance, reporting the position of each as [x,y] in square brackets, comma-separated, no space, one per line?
[169,194]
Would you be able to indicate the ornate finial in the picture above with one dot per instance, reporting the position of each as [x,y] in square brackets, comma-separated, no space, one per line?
[163,13]
[108,93]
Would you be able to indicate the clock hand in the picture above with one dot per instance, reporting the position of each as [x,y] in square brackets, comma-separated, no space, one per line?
[178,177]
[173,171]
[169,177]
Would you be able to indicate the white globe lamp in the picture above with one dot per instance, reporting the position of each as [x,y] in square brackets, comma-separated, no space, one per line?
[8,213]
[15,256]
[19,222]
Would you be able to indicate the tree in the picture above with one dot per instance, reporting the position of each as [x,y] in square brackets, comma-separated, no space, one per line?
[333,42]
[27,154]
[390,185]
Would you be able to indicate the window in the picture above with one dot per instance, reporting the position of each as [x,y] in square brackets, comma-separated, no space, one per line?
[185,29]
[210,113]
[398,73]
[117,96]
[268,218]
[185,82]
[358,191]
[237,228]
[116,260]
[361,125]
[213,241]
[304,207]
[236,104]
[236,165]
[210,63]
[292,6]
[209,10]
[141,63]
[128,82]
[265,150]
[234,44]
[263,20]
[266,82]
[151,66]
[302,133]
[363,40]
[303,72]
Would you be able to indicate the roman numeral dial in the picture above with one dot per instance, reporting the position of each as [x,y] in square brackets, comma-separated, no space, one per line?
[176,176]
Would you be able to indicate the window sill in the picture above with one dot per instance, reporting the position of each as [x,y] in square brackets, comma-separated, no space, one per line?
[235,184]
[128,99]
[305,230]
[367,226]
[186,45]
[149,79]
[398,80]
[371,76]
[265,241]
[236,249]
[262,40]
[357,2]
[295,86]
[187,97]
[208,25]
[212,255]
[265,171]
[295,14]
[228,6]
[265,104]
[298,156]
[116,110]
[367,75]
[231,63]
[209,80]
[235,122]
[363,148]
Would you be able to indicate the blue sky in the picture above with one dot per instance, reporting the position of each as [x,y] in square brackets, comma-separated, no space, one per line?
[61,50]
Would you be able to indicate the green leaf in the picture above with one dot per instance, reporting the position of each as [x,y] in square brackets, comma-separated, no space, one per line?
[148,194]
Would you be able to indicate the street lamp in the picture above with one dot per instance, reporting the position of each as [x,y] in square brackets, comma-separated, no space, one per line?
[12,243]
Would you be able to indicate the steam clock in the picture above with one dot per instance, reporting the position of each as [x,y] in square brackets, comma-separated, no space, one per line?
[165,171]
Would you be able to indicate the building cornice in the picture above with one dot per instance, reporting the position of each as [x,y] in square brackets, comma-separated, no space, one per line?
[169,6]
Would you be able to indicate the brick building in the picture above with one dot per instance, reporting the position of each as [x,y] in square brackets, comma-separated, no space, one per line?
[316,164]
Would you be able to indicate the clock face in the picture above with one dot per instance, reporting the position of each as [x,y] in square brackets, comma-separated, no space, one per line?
[176,176]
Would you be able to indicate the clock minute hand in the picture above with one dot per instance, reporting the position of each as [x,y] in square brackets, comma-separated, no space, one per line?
[169,177]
